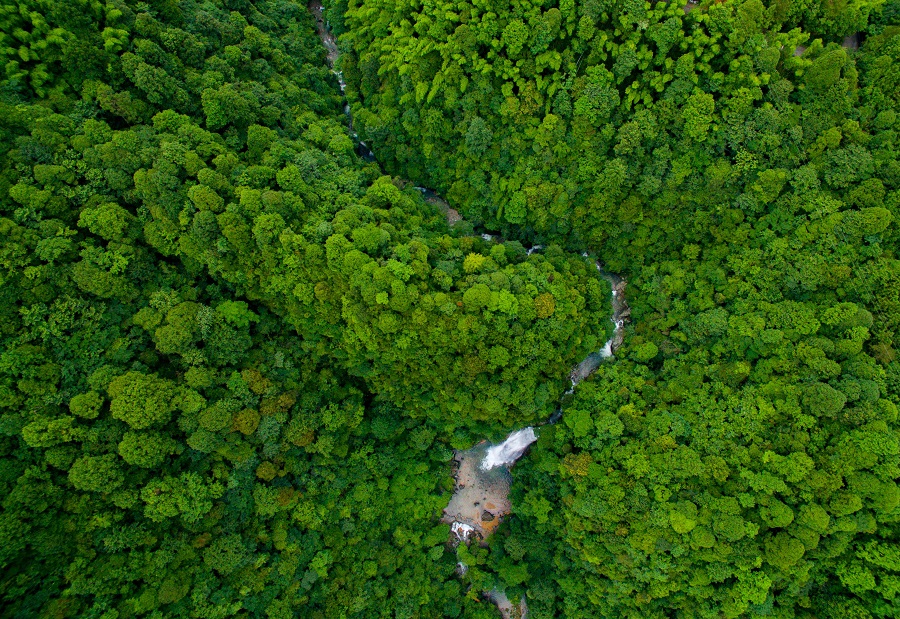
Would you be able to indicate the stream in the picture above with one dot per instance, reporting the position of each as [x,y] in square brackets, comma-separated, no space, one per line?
[331,56]
[480,498]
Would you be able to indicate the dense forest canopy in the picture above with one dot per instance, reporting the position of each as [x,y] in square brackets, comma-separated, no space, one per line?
[738,160]
[236,357]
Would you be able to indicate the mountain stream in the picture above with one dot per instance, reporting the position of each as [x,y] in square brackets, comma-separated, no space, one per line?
[480,499]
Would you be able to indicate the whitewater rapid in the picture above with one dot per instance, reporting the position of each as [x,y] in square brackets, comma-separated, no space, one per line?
[510,450]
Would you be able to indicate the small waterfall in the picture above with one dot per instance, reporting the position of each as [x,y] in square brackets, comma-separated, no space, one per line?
[607,350]
[621,312]
[510,450]
[462,530]
[365,152]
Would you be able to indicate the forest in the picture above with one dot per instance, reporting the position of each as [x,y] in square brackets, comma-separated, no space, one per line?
[238,354]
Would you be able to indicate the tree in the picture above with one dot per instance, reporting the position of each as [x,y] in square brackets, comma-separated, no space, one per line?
[142,401]
[96,473]
[146,449]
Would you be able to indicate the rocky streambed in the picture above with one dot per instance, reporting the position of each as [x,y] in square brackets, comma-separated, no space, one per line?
[480,498]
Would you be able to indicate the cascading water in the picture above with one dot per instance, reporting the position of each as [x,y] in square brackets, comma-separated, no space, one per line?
[510,450]
[462,530]
[620,313]
[328,40]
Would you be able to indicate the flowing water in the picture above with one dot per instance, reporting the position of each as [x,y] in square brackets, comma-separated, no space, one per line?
[481,497]
[510,450]
[332,53]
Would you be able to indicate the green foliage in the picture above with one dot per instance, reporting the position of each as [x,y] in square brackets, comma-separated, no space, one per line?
[162,336]
[142,401]
[96,473]
[235,356]
[736,161]
[146,449]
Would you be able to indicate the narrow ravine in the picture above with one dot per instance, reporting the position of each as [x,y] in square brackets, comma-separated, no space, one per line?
[480,499]
[331,56]
[481,496]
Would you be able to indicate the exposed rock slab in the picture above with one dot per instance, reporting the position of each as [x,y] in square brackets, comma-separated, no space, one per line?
[481,498]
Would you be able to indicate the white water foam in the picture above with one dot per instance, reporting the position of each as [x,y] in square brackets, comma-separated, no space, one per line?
[462,530]
[510,450]
[606,352]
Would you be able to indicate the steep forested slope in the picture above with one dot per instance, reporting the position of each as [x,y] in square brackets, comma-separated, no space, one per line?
[737,161]
[234,356]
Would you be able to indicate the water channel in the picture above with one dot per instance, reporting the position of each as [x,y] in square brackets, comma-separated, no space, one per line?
[480,499]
